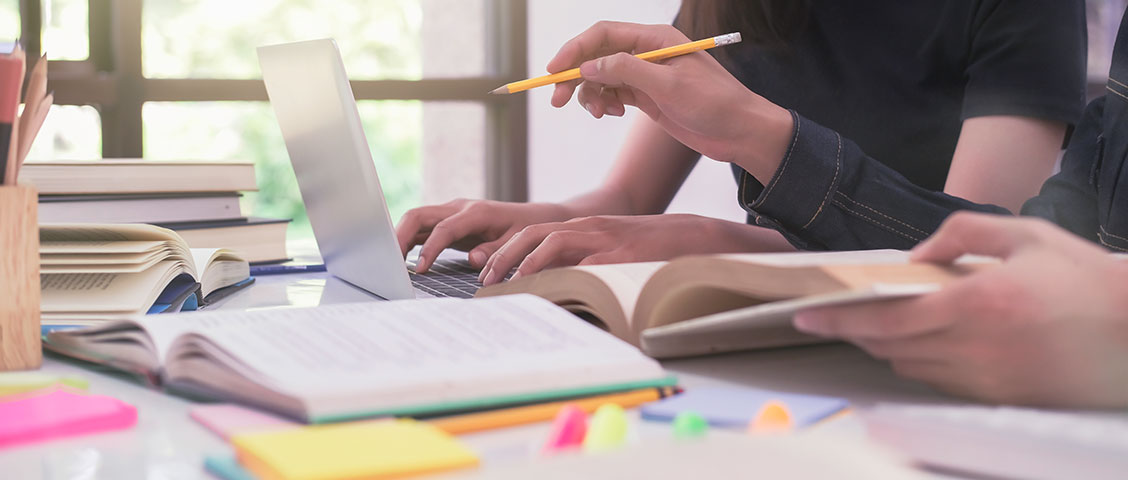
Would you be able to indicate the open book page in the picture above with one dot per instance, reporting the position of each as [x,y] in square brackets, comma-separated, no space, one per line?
[410,352]
[759,326]
[106,292]
[88,233]
[95,263]
[625,280]
[123,247]
[218,268]
[813,259]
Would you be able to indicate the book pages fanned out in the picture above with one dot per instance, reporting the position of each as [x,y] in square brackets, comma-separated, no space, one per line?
[376,358]
[94,272]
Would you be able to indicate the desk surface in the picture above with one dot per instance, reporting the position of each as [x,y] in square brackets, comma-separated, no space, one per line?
[167,444]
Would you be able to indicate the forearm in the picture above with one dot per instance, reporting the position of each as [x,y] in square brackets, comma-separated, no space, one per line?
[989,166]
[827,194]
[648,172]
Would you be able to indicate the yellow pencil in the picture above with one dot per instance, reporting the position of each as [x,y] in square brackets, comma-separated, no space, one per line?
[651,56]
[476,422]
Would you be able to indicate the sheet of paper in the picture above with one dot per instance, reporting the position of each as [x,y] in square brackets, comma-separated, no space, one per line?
[808,259]
[103,292]
[625,280]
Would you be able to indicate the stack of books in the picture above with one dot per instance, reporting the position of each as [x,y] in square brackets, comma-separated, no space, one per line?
[198,200]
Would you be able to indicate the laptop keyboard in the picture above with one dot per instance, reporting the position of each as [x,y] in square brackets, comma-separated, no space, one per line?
[447,278]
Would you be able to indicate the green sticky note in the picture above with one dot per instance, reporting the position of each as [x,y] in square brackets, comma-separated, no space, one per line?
[690,424]
[19,382]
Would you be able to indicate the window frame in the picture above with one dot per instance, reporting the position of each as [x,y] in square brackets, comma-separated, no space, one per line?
[112,81]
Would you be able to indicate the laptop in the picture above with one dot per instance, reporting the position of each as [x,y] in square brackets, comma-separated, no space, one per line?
[314,105]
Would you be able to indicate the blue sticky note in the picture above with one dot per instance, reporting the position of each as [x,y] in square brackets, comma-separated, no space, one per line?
[227,468]
[735,407]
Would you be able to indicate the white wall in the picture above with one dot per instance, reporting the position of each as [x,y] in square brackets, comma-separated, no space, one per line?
[569,151]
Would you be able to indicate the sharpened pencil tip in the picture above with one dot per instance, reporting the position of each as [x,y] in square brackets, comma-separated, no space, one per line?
[502,90]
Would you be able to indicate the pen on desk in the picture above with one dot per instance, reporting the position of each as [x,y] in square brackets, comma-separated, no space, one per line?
[651,56]
[508,417]
[283,269]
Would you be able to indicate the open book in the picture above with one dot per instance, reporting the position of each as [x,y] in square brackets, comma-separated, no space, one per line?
[412,357]
[705,304]
[94,272]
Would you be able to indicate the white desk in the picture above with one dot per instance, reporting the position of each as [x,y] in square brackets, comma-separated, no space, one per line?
[167,444]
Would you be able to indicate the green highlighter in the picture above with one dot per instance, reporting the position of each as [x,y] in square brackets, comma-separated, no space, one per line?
[607,429]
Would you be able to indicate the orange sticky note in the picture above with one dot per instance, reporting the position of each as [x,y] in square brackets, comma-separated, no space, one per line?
[773,417]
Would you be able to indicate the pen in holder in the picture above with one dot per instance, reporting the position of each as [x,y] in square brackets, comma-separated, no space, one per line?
[20,347]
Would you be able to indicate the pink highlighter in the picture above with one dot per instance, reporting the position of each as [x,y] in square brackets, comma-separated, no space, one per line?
[58,413]
[568,430]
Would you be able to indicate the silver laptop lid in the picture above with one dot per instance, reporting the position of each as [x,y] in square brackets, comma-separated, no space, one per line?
[314,104]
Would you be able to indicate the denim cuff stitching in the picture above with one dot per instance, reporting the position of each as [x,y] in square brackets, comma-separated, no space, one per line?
[887,217]
[833,182]
[875,222]
[786,161]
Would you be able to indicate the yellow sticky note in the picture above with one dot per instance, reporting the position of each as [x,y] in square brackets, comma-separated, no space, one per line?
[370,449]
[12,383]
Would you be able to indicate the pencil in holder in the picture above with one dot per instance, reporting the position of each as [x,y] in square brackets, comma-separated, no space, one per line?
[20,347]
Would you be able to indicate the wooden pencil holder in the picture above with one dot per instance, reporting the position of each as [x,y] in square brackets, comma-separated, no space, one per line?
[20,347]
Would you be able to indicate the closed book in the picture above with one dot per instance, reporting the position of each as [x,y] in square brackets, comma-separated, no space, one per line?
[110,176]
[258,240]
[139,208]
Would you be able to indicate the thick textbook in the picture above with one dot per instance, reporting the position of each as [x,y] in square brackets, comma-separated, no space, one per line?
[93,272]
[337,362]
[118,176]
[716,303]
[139,208]
[259,240]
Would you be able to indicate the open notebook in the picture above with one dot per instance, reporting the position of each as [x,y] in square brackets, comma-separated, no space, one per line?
[411,357]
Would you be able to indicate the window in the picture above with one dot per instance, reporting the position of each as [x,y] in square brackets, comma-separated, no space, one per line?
[179,79]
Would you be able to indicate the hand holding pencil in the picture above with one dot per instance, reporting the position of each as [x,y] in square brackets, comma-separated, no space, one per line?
[692,96]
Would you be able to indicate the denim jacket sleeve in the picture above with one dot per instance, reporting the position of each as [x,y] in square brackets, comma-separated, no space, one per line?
[1069,198]
[829,195]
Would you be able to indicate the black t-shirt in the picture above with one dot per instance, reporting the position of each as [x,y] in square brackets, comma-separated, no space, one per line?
[899,76]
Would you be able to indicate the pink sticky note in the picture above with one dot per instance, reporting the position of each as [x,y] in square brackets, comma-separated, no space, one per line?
[568,429]
[227,420]
[60,413]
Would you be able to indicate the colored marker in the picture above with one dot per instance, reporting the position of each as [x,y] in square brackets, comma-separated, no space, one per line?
[259,270]
[508,417]
[690,424]
[11,82]
[607,430]
[774,417]
[568,429]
